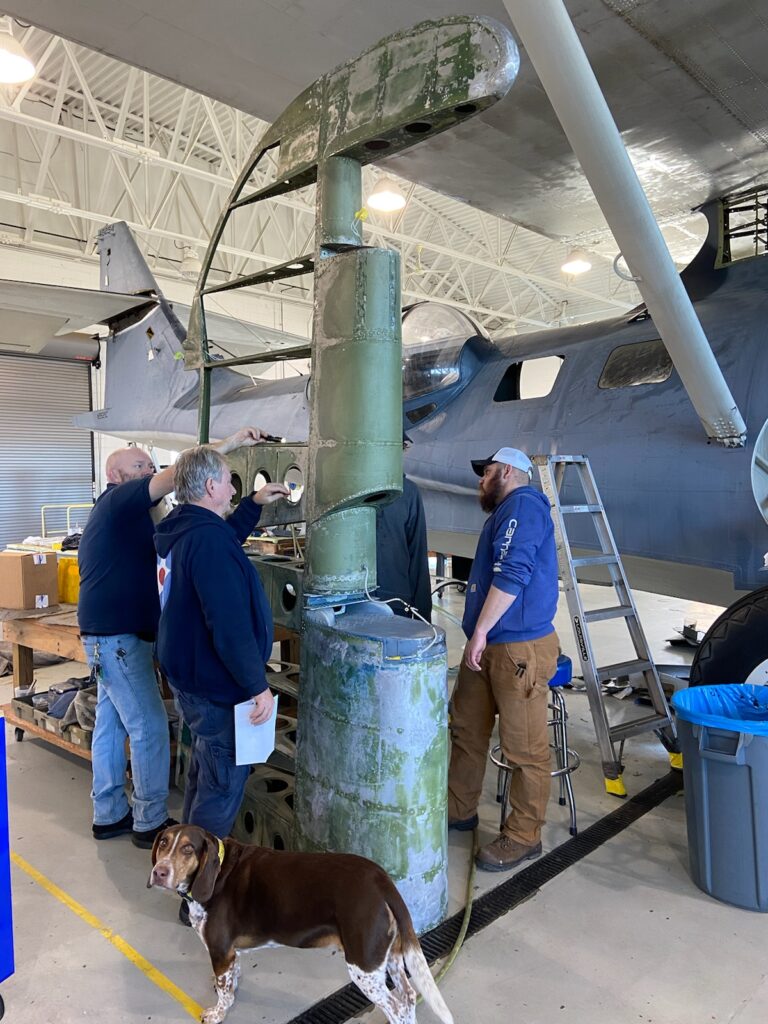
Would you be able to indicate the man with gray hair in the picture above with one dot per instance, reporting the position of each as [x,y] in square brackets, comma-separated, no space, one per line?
[118,612]
[215,634]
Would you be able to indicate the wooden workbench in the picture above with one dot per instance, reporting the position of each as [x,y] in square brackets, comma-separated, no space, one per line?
[58,633]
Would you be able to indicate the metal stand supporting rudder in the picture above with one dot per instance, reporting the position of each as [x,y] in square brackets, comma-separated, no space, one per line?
[552,473]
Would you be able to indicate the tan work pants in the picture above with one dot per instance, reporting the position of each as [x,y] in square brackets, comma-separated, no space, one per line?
[514,683]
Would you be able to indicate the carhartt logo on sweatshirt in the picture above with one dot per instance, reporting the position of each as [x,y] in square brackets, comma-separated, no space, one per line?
[509,533]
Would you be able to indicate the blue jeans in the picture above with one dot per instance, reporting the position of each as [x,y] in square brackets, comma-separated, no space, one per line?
[214,788]
[129,706]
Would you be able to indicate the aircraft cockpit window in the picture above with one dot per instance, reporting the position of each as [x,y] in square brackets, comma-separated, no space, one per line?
[645,362]
[530,378]
[433,337]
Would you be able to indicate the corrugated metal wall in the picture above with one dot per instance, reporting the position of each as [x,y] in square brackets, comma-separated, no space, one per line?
[43,458]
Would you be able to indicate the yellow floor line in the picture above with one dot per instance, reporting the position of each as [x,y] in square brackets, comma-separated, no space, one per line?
[155,976]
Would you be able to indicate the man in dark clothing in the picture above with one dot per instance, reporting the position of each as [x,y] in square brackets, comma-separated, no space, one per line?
[510,656]
[402,558]
[118,612]
[215,633]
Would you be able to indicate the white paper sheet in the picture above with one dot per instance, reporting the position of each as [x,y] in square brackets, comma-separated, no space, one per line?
[253,743]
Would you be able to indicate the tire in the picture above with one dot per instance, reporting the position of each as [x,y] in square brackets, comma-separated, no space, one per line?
[735,644]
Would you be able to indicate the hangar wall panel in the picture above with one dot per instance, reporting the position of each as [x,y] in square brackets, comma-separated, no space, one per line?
[44,459]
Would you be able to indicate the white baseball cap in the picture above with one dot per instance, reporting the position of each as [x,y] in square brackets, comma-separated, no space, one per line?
[507,457]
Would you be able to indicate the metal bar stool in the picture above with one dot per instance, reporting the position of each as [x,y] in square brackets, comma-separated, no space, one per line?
[567,760]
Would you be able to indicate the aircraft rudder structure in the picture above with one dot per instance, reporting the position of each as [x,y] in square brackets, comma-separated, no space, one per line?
[122,268]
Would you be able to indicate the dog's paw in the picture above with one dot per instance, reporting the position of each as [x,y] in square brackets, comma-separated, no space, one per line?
[215,1015]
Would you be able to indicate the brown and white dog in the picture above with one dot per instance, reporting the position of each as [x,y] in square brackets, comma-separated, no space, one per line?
[247,897]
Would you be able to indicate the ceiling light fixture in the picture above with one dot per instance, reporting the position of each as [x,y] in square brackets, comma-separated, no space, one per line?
[15,65]
[386,197]
[577,262]
[190,263]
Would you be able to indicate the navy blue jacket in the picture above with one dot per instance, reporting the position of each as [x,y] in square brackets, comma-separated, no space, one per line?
[116,556]
[215,633]
[516,553]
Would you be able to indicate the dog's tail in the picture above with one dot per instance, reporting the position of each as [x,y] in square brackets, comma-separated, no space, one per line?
[423,982]
[416,962]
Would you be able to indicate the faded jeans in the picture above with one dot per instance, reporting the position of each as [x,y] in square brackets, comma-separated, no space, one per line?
[214,787]
[129,706]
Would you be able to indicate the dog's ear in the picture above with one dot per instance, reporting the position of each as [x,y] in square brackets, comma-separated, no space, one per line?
[207,871]
[158,837]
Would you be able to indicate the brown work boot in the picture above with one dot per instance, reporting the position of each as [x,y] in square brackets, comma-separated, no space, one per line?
[504,853]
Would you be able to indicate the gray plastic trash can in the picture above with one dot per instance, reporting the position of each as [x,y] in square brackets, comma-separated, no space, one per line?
[723,733]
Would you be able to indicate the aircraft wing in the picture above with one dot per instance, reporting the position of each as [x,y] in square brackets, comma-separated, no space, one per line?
[43,319]
[683,81]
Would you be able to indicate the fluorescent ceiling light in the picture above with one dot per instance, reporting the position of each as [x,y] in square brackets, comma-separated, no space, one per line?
[386,197]
[577,262]
[15,65]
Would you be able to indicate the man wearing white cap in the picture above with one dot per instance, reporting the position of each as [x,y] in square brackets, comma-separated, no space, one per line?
[510,656]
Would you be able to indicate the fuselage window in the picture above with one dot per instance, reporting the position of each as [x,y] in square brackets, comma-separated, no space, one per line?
[645,362]
[530,378]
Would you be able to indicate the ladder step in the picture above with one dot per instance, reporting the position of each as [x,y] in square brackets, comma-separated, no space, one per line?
[623,668]
[638,725]
[619,611]
[581,508]
[596,560]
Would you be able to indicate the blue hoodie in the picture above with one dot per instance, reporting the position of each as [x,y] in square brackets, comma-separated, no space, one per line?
[516,553]
[215,633]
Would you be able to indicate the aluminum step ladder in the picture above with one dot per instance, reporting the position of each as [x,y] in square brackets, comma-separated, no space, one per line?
[552,474]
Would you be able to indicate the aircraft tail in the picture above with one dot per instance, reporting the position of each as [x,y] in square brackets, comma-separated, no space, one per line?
[122,268]
[145,375]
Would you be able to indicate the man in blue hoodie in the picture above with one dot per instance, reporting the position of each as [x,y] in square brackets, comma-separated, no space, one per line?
[215,633]
[510,656]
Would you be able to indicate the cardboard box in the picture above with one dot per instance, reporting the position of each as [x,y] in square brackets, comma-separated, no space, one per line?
[28,580]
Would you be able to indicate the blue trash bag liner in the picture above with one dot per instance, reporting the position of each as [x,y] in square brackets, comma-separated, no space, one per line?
[738,707]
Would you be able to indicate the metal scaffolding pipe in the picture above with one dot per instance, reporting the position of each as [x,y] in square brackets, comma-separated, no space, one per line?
[555,51]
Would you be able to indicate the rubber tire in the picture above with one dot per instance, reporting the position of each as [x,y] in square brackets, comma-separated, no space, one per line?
[735,643]
[18,734]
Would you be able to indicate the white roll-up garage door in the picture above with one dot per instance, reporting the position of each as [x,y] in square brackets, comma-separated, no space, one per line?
[44,459]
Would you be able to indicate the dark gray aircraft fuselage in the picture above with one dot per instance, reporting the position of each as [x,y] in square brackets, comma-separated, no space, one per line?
[683,511]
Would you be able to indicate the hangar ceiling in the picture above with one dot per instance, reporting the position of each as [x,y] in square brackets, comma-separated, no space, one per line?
[91,140]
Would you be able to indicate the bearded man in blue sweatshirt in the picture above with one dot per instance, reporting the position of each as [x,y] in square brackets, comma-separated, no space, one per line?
[215,633]
[510,656]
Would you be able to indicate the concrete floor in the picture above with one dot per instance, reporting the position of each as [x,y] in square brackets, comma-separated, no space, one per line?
[621,936]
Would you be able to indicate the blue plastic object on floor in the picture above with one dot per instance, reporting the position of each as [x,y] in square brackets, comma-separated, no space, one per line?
[564,672]
[723,732]
[6,922]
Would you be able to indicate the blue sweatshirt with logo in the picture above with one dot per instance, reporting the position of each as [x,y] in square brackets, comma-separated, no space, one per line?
[516,553]
[215,633]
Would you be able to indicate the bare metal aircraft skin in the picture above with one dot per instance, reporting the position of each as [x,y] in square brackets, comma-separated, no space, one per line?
[683,510]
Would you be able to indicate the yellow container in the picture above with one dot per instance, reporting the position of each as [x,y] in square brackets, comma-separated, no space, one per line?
[69,579]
